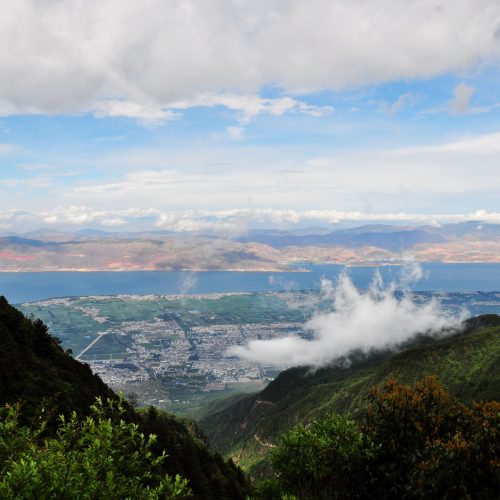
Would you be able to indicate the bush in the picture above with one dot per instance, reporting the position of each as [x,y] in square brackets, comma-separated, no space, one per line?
[100,456]
[415,443]
[466,463]
[431,445]
[325,459]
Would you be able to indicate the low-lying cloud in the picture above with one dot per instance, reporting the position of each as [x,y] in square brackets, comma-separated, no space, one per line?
[228,222]
[358,321]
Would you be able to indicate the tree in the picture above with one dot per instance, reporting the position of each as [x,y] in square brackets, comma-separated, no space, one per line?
[413,443]
[325,459]
[431,445]
[99,456]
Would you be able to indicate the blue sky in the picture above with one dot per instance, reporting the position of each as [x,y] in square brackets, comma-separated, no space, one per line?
[232,114]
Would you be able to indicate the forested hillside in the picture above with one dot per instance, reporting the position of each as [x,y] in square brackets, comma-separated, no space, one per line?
[47,382]
[466,363]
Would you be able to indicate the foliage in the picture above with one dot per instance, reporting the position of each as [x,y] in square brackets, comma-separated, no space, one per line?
[99,456]
[467,364]
[37,372]
[403,420]
[324,459]
[415,443]
[35,369]
[443,448]
[467,462]
[209,475]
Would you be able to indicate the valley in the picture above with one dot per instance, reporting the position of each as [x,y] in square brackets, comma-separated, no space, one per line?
[170,350]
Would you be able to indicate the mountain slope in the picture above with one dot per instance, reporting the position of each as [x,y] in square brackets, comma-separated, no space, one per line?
[467,364]
[36,371]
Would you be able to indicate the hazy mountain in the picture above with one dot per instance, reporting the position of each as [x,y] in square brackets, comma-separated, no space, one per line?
[257,250]
[394,238]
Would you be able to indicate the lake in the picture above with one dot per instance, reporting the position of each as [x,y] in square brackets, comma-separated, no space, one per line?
[24,287]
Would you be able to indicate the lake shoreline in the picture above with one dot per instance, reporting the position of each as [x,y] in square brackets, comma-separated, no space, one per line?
[20,287]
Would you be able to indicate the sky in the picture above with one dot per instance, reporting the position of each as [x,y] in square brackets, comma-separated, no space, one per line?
[230,114]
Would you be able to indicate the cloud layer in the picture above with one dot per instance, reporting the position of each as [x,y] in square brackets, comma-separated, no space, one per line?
[358,322]
[229,222]
[142,58]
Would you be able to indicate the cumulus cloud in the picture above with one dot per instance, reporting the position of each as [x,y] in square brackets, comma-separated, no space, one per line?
[79,215]
[293,217]
[140,57]
[194,222]
[374,320]
[10,219]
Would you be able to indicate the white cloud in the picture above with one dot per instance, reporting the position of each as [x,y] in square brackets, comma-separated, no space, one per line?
[235,133]
[462,95]
[488,144]
[187,222]
[8,148]
[147,114]
[227,222]
[141,56]
[357,322]
[83,216]
[33,183]
[113,222]
[10,219]
[250,106]
[460,175]
[460,104]
[261,177]
[398,105]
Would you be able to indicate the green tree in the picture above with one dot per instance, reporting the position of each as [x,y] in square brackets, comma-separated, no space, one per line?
[414,443]
[325,459]
[99,457]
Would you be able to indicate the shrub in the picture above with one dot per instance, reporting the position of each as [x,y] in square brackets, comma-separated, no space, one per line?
[415,443]
[325,459]
[99,456]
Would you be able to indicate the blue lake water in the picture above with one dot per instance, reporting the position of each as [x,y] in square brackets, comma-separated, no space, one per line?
[24,287]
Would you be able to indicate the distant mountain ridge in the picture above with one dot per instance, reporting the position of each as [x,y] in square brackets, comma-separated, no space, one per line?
[255,250]
[394,238]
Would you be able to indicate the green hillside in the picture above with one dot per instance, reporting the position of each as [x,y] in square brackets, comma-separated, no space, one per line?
[36,372]
[467,364]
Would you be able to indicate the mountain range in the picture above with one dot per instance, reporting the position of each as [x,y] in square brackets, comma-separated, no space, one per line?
[255,250]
